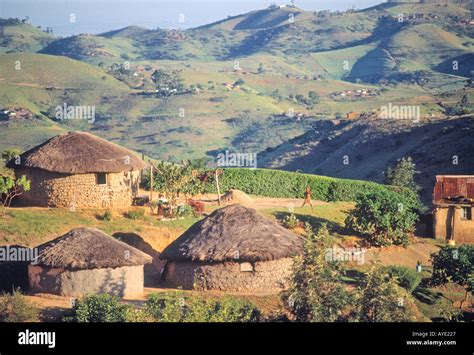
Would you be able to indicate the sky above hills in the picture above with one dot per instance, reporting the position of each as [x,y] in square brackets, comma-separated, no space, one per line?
[96,16]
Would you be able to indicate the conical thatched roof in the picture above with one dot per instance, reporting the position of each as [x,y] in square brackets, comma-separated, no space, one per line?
[79,153]
[234,233]
[236,196]
[89,248]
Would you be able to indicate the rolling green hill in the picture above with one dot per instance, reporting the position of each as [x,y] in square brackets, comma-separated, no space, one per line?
[22,37]
[261,19]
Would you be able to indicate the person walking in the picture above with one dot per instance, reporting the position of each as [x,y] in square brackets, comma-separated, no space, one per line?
[307,197]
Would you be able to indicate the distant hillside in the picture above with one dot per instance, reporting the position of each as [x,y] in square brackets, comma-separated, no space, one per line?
[16,36]
[43,81]
[261,19]
[422,47]
[371,146]
[128,32]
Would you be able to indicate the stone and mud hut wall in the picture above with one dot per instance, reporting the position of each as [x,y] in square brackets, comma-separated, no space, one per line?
[229,276]
[51,189]
[122,281]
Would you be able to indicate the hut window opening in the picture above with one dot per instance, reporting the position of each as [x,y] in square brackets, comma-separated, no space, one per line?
[246,267]
[466,213]
[101,178]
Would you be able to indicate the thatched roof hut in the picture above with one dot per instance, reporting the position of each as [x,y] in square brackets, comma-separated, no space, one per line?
[86,260]
[235,248]
[79,153]
[80,169]
[236,196]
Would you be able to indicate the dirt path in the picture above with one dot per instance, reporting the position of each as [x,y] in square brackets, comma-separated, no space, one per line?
[51,307]
[397,255]
[261,202]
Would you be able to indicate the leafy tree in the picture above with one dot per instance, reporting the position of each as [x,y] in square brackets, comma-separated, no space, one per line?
[314,98]
[101,308]
[316,292]
[381,300]
[167,84]
[9,154]
[403,174]
[462,107]
[456,265]
[239,82]
[300,98]
[276,95]
[174,307]
[172,180]
[11,187]
[384,217]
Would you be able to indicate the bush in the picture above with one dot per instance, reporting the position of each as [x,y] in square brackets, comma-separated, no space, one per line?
[137,315]
[11,188]
[174,307]
[107,216]
[15,307]
[383,217]
[380,299]
[403,174]
[316,292]
[290,222]
[184,211]
[100,308]
[407,278]
[454,265]
[136,214]
[231,309]
[286,184]
[167,308]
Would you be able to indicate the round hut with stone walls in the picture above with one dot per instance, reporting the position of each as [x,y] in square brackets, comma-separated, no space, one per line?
[78,169]
[88,261]
[233,249]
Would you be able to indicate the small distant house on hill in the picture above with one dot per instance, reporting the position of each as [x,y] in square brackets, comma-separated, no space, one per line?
[88,261]
[453,200]
[81,170]
[352,115]
[235,249]
[15,113]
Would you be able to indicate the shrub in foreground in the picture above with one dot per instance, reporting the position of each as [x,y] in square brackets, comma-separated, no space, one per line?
[380,299]
[101,308]
[316,293]
[174,307]
[454,265]
[383,218]
[136,214]
[406,277]
[15,307]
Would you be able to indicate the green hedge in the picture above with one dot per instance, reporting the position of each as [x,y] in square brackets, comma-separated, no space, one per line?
[406,277]
[285,184]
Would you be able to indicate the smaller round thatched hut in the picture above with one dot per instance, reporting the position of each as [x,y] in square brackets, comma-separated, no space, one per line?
[87,261]
[236,196]
[233,249]
[78,169]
